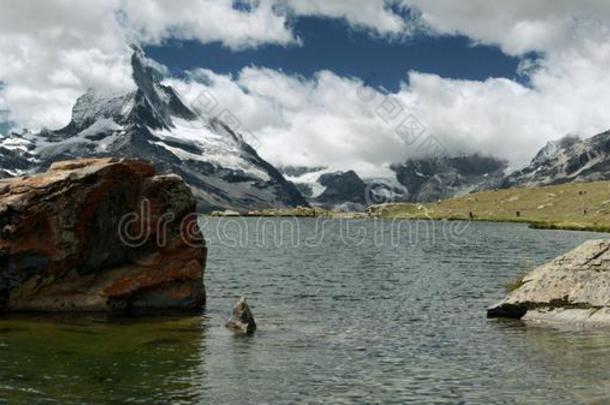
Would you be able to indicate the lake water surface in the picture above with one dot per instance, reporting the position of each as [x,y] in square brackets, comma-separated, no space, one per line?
[348,312]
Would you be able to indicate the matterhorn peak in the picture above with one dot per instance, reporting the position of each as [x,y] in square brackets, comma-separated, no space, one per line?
[151,103]
[152,123]
[145,71]
[160,102]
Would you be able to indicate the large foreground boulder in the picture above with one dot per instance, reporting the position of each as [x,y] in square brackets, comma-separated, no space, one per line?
[574,287]
[99,235]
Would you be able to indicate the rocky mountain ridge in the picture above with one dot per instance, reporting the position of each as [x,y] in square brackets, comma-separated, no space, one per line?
[432,179]
[226,173]
[152,123]
[568,159]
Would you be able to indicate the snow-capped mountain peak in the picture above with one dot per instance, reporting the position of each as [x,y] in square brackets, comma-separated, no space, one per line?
[553,148]
[152,123]
[565,160]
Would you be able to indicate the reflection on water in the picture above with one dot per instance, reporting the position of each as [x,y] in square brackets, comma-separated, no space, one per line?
[100,360]
[341,322]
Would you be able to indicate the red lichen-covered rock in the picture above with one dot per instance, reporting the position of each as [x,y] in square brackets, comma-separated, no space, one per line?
[99,235]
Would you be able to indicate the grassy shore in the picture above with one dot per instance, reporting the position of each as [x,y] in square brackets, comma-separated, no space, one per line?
[575,206]
[299,212]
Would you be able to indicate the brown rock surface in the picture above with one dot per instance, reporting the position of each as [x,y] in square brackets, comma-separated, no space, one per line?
[574,287]
[99,235]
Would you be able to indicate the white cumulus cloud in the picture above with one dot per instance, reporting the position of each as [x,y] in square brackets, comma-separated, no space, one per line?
[371,14]
[208,21]
[52,51]
[517,26]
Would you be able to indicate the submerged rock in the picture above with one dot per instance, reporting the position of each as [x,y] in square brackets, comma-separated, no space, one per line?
[99,235]
[242,320]
[574,287]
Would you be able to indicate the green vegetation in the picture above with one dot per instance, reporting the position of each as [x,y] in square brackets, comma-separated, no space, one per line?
[514,284]
[517,281]
[288,212]
[301,212]
[574,206]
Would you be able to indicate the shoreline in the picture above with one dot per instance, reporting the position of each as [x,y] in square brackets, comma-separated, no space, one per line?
[572,206]
[541,225]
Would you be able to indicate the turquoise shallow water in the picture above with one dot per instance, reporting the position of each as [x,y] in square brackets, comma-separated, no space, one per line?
[348,312]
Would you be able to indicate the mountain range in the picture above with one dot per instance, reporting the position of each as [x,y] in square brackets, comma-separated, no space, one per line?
[226,173]
[568,159]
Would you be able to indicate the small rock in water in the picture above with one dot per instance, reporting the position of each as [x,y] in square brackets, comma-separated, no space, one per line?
[242,320]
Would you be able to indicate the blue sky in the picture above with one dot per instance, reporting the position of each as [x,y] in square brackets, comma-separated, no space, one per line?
[331,44]
[458,63]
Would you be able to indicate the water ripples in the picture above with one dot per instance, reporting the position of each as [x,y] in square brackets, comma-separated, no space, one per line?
[337,323]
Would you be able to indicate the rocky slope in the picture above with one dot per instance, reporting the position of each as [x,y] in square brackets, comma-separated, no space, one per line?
[306,179]
[152,123]
[16,155]
[432,179]
[99,235]
[566,160]
[342,189]
[339,190]
[574,287]
[328,188]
